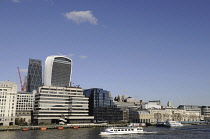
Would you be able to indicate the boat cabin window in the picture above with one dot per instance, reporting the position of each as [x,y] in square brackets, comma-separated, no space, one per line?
[111,130]
[118,129]
[128,129]
[132,129]
[125,129]
[122,130]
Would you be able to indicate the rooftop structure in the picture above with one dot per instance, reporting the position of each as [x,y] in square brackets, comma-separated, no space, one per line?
[151,105]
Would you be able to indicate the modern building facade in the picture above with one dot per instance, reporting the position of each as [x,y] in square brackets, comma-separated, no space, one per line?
[24,107]
[34,77]
[190,107]
[8,99]
[102,107]
[57,71]
[205,111]
[61,104]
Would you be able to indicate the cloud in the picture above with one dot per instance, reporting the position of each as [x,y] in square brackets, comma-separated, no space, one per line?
[83,57]
[69,55]
[81,17]
[76,56]
[23,70]
[16,1]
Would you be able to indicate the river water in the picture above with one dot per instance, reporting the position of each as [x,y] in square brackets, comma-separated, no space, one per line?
[185,132]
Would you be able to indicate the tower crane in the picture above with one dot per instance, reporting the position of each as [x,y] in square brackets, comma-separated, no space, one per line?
[22,86]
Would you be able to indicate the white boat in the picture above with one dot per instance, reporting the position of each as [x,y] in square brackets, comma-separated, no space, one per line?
[122,130]
[137,124]
[172,123]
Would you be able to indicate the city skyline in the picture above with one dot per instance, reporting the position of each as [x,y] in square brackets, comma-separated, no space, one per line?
[149,50]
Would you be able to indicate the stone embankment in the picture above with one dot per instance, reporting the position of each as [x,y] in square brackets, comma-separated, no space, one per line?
[40,127]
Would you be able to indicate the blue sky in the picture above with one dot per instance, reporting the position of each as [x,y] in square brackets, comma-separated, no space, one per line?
[146,49]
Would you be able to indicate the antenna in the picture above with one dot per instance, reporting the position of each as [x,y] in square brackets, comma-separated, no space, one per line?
[181,100]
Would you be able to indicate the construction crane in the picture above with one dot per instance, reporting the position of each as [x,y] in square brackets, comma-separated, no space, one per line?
[22,86]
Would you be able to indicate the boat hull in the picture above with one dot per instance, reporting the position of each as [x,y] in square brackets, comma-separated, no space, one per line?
[122,130]
[118,133]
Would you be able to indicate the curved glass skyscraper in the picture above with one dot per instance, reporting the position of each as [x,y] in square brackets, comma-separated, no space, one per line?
[57,71]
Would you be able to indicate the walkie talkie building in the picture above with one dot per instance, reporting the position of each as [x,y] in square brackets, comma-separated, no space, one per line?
[57,71]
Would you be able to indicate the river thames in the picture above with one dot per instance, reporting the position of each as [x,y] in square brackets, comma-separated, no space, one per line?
[185,132]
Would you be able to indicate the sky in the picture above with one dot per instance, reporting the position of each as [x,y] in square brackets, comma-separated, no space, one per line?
[146,49]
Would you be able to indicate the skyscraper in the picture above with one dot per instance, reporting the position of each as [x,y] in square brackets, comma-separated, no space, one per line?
[34,77]
[57,71]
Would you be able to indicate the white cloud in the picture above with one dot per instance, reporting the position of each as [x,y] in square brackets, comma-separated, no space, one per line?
[70,55]
[23,70]
[83,57]
[16,1]
[76,56]
[81,17]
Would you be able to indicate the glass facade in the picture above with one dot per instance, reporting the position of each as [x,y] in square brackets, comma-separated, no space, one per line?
[57,71]
[102,107]
[34,77]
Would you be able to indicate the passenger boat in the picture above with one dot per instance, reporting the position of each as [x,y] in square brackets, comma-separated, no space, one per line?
[172,123]
[137,124]
[122,130]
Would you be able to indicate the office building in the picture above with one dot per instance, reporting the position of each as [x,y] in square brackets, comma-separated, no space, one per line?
[102,107]
[61,104]
[57,71]
[24,107]
[151,105]
[34,77]
[190,107]
[8,98]
[205,111]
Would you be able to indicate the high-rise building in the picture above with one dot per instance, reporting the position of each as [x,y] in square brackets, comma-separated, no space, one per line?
[8,99]
[102,107]
[57,71]
[61,104]
[34,77]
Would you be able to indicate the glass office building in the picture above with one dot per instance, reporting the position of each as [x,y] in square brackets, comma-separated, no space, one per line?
[57,71]
[102,107]
[34,77]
